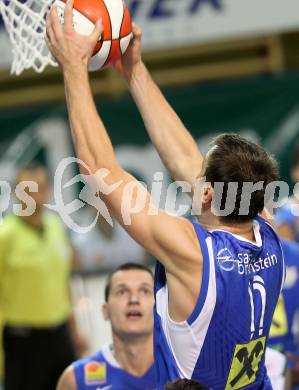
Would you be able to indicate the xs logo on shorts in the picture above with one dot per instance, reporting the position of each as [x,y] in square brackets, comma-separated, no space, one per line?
[245,363]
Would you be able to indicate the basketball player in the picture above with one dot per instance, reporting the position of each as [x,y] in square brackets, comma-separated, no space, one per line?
[128,362]
[217,282]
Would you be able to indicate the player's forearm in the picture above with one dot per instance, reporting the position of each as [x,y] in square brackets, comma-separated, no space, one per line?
[89,135]
[174,143]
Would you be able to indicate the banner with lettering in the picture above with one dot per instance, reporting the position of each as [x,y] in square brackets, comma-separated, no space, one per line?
[173,22]
[182,22]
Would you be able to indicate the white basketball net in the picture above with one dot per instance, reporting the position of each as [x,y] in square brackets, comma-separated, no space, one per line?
[25,23]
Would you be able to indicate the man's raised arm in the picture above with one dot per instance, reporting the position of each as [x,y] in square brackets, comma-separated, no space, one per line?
[174,143]
[155,230]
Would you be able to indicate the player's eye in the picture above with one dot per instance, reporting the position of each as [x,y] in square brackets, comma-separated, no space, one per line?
[121,292]
[146,291]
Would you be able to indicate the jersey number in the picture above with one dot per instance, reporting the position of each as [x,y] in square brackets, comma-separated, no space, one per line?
[246,358]
[258,285]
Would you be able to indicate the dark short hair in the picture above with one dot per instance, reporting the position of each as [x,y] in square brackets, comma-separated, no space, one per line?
[236,159]
[185,384]
[124,267]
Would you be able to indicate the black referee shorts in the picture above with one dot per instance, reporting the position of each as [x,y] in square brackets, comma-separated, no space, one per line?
[35,358]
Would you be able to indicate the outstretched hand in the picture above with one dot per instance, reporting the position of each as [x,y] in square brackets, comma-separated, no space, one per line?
[132,58]
[68,47]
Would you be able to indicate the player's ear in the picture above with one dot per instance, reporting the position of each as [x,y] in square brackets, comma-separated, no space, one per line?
[207,196]
[105,312]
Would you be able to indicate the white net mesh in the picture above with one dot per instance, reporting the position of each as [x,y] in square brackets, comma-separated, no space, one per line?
[25,23]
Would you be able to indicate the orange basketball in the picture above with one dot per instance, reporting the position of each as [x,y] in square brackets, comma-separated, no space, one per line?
[117,28]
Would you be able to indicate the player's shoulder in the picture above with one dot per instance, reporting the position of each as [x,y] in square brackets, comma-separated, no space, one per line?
[97,357]
[67,380]
[264,221]
[91,371]
[169,222]
[267,229]
[167,228]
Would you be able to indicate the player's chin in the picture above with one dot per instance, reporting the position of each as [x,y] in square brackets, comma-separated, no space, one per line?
[135,325]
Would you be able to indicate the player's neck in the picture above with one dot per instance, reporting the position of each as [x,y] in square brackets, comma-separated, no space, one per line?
[210,222]
[134,355]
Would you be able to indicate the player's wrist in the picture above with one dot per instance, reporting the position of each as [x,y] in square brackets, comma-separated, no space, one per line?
[137,75]
[75,70]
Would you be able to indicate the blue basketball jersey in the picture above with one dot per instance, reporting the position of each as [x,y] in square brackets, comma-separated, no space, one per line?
[222,344]
[282,336]
[101,371]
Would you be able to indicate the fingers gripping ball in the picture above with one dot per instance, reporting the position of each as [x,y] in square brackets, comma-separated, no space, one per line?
[117,28]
